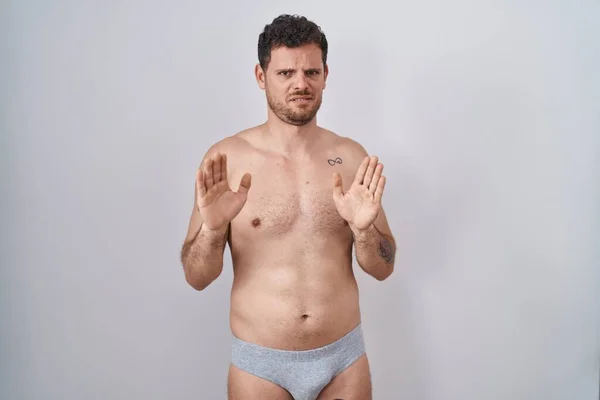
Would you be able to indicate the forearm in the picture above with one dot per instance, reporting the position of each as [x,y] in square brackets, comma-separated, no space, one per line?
[202,257]
[375,252]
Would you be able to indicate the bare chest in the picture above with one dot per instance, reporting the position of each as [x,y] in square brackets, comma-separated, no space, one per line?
[281,201]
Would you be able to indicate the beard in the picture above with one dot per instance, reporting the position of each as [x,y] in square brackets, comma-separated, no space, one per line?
[295,116]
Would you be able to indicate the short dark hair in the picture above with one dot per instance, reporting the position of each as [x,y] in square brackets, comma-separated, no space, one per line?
[289,31]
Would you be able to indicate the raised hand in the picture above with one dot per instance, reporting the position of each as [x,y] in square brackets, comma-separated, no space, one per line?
[362,202]
[217,203]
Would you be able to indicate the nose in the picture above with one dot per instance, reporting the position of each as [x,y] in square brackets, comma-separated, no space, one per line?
[300,83]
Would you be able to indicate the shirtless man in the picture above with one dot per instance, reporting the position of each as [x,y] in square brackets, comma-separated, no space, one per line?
[291,199]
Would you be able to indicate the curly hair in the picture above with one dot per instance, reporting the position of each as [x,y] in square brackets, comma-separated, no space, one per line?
[289,31]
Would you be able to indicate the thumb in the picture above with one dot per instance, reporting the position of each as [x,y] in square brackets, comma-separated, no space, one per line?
[245,183]
[337,185]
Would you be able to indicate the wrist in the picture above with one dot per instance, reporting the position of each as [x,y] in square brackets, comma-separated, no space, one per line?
[214,232]
[360,233]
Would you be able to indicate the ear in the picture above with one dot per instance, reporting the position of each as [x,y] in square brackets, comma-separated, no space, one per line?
[325,74]
[260,76]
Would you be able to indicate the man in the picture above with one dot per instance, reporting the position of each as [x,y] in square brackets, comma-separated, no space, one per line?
[291,199]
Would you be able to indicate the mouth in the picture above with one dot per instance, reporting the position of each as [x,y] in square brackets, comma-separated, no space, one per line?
[301,99]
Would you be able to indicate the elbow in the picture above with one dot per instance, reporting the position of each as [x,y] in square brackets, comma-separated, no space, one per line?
[386,269]
[386,273]
[197,284]
[199,281]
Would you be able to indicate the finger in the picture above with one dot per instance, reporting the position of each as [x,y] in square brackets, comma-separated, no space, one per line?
[224,167]
[208,174]
[217,168]
[376,176]
[338,188]
[245,183]
[360,173]
[370,171]
[379,191]
[200,188]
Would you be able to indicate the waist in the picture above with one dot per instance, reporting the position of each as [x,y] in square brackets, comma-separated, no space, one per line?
[293,315]
[352,341]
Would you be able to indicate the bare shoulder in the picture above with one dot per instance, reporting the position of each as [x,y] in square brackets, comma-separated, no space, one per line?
[235,146]
[352,147]
[228,145]
[353,151]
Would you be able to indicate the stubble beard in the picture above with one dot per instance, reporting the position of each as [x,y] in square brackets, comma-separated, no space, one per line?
[289,115]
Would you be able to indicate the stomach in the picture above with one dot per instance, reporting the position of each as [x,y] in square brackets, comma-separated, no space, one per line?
[294,306]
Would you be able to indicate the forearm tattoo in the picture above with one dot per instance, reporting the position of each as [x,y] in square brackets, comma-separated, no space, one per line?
[386,250]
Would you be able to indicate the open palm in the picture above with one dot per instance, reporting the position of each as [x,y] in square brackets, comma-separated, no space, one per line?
[362,202]
[217,203]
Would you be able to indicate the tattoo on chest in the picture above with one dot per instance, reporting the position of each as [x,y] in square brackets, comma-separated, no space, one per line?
[385,250]
[336,161]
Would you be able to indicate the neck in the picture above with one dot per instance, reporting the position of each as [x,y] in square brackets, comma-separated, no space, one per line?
[290,140]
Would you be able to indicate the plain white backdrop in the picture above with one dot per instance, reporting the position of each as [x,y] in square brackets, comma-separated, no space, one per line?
[485,114]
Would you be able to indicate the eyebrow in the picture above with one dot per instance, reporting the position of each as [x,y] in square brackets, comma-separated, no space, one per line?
[294,69]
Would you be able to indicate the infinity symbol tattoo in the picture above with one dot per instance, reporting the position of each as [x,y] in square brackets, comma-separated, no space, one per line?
[336,161]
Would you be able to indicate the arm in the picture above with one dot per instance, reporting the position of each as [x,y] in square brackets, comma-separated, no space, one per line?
[202,252]
[215,206]
[360,205]
[375,248]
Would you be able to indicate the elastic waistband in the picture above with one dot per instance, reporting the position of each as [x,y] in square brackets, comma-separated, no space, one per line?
[351,340]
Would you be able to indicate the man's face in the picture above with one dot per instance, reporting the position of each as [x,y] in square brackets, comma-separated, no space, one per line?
[294,83]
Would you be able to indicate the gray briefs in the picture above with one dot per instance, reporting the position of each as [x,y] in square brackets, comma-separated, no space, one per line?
[302,373]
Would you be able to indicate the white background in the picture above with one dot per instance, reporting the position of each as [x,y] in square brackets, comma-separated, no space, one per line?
[485,113]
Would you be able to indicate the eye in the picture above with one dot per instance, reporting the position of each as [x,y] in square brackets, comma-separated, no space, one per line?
[284,73]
